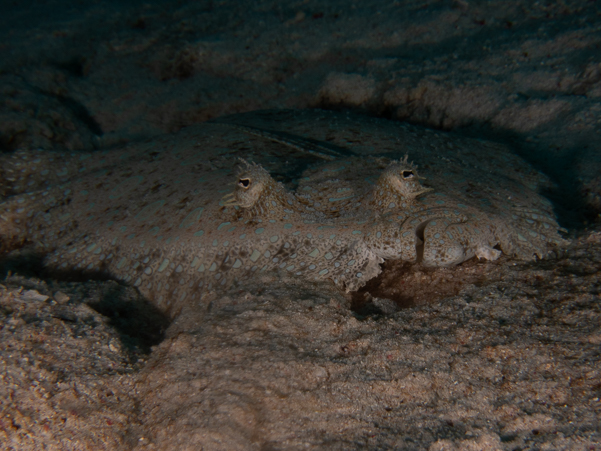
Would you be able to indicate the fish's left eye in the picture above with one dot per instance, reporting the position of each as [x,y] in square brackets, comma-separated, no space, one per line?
[407,174]
[244,183]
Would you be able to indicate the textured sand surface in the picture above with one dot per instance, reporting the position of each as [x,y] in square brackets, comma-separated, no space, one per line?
[287,365]
[497,355]
[79,76]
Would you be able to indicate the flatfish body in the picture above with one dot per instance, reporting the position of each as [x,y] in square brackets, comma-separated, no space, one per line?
[153,214]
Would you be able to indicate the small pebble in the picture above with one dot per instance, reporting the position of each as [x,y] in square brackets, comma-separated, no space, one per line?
[33,295]
[61,297]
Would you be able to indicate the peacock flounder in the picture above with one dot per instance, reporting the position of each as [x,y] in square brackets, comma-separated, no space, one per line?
[162,215]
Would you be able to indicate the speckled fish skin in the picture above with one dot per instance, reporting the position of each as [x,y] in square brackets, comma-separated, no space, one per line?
[154,214]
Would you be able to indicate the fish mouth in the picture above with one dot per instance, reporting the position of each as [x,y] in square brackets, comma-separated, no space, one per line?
[229,200]
[420,241]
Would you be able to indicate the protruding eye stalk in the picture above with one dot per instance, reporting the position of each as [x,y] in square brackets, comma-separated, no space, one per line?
[407,174]
[252,183]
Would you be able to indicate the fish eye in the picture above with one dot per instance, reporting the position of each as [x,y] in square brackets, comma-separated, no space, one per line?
[407,174]
[244,183]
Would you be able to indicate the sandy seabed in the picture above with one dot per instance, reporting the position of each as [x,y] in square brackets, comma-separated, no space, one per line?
[507,358]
